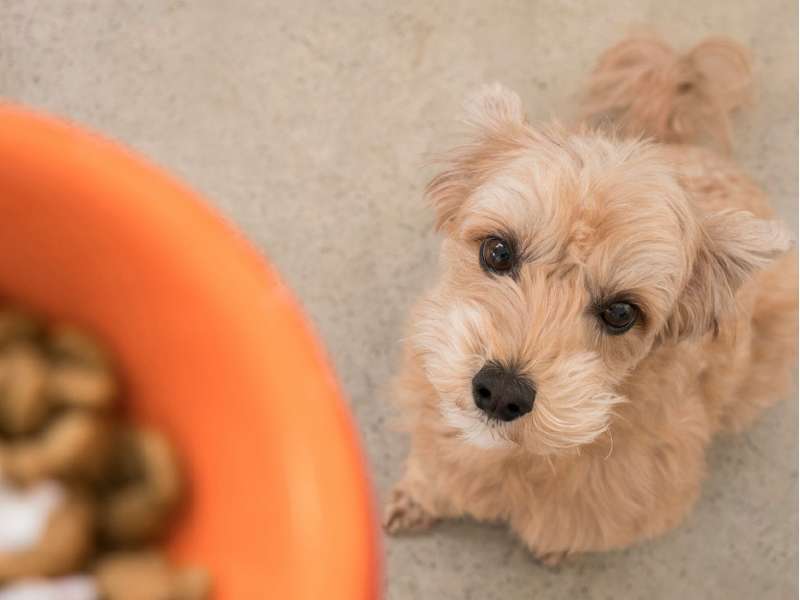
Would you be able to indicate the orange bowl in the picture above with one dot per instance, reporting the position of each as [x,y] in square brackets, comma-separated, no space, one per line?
[212,349]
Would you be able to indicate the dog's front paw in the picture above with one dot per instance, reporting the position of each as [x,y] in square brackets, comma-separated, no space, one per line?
[555,559]
[405,515]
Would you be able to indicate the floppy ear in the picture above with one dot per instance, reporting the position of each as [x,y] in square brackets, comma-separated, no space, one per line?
[496,118]
[734,245]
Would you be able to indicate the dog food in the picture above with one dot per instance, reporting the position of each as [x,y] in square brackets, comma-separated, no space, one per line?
[83,494]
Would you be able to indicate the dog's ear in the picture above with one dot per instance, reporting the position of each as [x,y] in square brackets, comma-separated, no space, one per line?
[733,245]
[496,119]
[494,112]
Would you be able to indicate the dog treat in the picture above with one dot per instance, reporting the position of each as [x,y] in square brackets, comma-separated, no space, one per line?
[75,446]
[23,380]
[80,371]
[146,575]
[141,489]
[68,369]
[75,481]
[119,576]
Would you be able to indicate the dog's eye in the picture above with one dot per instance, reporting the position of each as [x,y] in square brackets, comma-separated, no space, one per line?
[620,316]
[496,254]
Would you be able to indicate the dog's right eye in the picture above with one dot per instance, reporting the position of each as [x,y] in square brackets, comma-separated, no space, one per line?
[497,255]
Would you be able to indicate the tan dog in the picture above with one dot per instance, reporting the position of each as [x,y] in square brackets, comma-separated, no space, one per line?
[605,305]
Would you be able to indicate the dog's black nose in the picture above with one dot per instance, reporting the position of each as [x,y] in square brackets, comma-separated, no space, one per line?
[502,395]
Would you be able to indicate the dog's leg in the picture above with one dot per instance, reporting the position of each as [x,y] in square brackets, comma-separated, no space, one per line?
[413,504]
[773,353]
[404,514]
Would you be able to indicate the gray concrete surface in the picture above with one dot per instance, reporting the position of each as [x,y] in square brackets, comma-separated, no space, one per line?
[303,122]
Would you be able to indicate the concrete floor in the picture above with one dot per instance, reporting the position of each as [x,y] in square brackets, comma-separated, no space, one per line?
[303,122]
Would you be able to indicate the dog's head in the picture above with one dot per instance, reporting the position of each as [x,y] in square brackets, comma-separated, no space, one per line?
[566,257]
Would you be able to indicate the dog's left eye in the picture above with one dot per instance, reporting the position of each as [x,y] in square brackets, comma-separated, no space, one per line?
[620,316]
[497,254]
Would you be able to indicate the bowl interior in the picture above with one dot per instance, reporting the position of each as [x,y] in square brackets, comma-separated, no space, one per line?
[212,349]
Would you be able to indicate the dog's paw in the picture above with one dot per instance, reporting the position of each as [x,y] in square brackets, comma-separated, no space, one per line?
[404,515]
[555,559]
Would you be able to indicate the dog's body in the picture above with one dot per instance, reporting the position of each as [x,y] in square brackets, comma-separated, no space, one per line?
[613,450]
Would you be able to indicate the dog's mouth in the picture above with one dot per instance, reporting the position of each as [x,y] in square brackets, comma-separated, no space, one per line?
[478,429]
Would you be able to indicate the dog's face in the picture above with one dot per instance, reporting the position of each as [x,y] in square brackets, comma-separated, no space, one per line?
[566,258]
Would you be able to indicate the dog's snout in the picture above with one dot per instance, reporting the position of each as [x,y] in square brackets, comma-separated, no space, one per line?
[501,394]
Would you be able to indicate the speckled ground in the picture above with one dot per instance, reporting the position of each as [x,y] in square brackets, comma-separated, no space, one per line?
[304,121]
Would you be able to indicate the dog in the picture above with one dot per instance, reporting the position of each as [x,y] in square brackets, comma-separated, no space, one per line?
[607,302]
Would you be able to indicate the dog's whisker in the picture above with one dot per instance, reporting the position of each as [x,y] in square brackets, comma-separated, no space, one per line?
[611,439]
